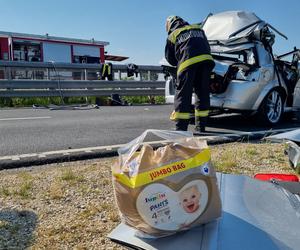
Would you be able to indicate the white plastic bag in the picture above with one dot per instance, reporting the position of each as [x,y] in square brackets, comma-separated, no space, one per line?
[172,188]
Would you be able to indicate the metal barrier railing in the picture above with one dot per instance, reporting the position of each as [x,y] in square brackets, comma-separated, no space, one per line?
[35,79]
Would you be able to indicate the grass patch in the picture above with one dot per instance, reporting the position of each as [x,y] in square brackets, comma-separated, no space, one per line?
[25,185]
[70,176]
[3,224]
[56,191]
[13,228]
[45,101]
[114,216]
[106,182]
[144,99]
[251,151]
[25,190]
[227,163]
[4,191]
[90,211]
[106,207]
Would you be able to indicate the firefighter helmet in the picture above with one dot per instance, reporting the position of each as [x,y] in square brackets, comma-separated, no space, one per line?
[170,21]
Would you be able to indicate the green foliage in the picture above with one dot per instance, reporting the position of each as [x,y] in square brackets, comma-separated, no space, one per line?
[153,76]
[4,191]
[160,100]
[70,176]
[25,188]
[298,170]
[144,99]
[44,101]
[6,102]
[102,101]
[227,163]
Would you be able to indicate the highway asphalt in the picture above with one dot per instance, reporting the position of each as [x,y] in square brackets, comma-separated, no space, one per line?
[28,130]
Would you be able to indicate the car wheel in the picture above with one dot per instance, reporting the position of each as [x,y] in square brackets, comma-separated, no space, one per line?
[272,108]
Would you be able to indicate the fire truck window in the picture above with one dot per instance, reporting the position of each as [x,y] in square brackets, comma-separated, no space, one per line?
[27,51]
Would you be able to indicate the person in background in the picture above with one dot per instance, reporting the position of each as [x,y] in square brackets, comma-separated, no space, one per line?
[187,48]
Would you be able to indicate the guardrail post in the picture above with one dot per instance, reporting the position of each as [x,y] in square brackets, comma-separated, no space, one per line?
[8,73]
[149,75]
[120,74]
[85,74]
[47,74]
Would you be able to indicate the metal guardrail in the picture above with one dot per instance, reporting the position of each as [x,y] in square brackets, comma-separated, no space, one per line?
[35,79]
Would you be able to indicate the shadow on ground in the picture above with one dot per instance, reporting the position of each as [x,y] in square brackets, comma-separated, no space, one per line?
[241,123]
[16,228]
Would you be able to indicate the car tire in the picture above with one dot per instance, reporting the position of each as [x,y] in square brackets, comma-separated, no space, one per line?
[271,109]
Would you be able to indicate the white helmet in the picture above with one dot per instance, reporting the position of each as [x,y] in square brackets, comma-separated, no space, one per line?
[170,21]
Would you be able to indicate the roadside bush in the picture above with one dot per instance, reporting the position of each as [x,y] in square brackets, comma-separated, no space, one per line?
[102,101]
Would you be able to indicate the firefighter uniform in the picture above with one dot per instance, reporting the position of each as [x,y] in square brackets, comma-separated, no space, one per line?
[106,71]
[188,49]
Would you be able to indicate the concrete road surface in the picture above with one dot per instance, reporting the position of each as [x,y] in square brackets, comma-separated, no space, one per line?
[24,131]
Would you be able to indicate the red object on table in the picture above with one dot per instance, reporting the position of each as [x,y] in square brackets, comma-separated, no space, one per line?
[279,177]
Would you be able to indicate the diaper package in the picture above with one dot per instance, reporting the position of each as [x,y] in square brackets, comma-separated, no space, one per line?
[169,189]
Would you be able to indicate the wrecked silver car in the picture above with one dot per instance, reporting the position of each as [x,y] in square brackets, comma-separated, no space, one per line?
[248,78]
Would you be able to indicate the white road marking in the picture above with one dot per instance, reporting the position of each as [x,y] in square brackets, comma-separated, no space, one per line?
[116,147]
[15,158]
[26,118]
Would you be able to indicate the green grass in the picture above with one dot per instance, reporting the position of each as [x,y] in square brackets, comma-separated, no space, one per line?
[26,102]
[11,228]
[227,163]
[25,186]
[143,99]
[4,191]
[29,101]
[69,176]
[252,151]
[56,191]
[298,169]
[24,190]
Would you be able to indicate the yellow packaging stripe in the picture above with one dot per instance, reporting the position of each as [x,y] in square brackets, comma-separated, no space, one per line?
[164,171]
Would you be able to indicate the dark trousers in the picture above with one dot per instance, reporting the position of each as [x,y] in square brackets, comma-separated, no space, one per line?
[196,77]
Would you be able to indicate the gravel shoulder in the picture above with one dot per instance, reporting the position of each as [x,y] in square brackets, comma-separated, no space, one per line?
[71,205]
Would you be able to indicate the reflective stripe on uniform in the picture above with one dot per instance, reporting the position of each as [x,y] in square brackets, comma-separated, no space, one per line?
[108,69]
[104,68]
[179,115]
[201,113]
[172,37]
[192,61]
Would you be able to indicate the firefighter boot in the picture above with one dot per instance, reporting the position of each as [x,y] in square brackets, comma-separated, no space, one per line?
[182,125]
[200,123]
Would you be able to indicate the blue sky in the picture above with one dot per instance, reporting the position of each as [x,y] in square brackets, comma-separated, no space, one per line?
[136,28]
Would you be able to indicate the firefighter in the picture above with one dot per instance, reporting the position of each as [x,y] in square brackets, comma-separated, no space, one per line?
[187,48]
[107,72]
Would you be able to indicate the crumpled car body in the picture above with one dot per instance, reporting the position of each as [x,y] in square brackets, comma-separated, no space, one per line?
[248,78]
